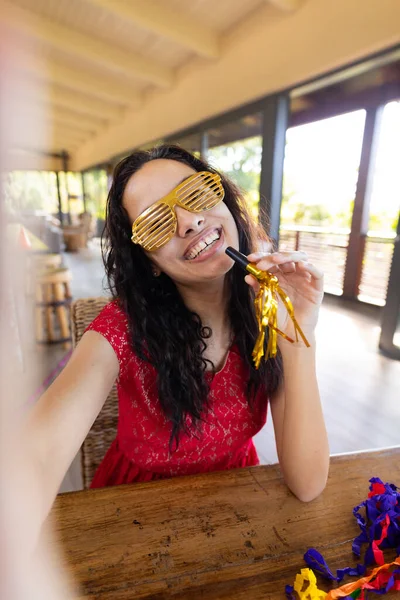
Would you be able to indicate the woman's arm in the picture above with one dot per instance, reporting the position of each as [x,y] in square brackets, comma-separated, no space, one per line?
[300,433]
[58,424]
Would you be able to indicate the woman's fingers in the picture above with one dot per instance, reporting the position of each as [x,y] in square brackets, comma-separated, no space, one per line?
[317,276]
[286,263]
[269,262]
[287,268]
[274,262]
[254,256]
[284,257]
[252,282]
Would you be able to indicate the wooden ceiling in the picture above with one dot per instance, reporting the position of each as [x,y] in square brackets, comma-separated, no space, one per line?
[95,78]
[79,65]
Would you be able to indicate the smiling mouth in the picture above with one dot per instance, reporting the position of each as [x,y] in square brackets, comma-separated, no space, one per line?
[204,244]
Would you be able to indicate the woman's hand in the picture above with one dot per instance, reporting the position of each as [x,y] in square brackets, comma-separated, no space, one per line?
[302,282]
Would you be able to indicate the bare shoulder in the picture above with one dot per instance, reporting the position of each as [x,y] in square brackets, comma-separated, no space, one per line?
[93,356]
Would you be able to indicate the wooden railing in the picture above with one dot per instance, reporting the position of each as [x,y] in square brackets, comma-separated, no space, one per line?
[376,269]
[327,249]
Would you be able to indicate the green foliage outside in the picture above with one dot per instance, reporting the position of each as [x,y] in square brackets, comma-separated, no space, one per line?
[303,205]
[96,192]
[30,191]
[241,161]
[71,192]
[294,212]
[36,192]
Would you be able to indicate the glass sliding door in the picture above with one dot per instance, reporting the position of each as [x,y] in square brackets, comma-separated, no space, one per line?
[383,210]
[96,190]
[31,193]
[389,341]
[319,183]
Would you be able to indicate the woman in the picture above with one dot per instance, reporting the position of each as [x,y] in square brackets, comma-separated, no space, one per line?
[178,339]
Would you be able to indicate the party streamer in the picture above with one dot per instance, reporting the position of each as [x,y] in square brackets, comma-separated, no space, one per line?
[380,530]
[266,307]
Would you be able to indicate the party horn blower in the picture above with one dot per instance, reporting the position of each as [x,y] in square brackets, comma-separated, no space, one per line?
[266,307]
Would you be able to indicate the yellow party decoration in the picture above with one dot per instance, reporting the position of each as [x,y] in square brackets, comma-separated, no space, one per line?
[305,585]
[266,307]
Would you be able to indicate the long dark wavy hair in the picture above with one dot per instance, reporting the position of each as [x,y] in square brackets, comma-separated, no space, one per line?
[164,332]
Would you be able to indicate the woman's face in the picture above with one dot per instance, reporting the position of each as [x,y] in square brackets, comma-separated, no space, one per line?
[182,258]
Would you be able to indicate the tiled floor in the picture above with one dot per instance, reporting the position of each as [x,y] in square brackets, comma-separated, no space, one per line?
[360,388]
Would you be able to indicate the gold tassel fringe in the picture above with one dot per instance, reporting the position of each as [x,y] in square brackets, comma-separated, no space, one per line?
[266,306]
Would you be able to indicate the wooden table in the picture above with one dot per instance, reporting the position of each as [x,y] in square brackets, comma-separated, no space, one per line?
[236,534]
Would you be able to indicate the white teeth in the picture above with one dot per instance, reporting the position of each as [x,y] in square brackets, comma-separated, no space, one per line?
[204,243]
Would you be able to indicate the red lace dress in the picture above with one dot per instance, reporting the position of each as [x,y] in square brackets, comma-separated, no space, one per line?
[140,451]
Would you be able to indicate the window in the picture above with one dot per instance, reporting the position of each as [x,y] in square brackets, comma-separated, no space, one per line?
[235,149]
[31,193]
[383,210]
[96,191]
[319,184]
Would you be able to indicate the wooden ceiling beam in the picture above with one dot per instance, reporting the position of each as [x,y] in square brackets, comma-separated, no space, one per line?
[85,123]
[51,114]
[103,87]
[30,161]
[80,45]
[55,146]
[27,137]
[35,125]
[75,125]
[63,138]
[158,19]
[78,103]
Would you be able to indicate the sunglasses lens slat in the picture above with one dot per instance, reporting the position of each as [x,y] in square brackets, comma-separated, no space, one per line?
[158,222]
[156,241]
[206,197]
[156,226]
[153,214]
[152,236]
[194,184]
[194,181]
[152,225]
[189,184]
